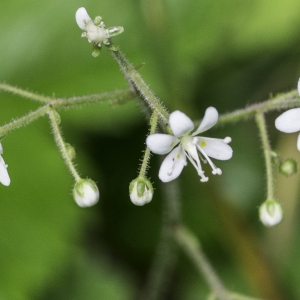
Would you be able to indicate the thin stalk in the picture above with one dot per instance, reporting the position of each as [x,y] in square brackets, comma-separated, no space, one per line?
[192,248]
[30,117]
[261,124]
[61,144]
[288,100]
[113,98]
[25,94]
[133,76]
[144,166]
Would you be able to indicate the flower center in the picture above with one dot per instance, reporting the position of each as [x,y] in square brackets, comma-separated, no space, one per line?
[190,145]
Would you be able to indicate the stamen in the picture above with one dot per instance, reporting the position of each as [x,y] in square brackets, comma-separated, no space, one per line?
[204,179]
[227,140]
[215,170]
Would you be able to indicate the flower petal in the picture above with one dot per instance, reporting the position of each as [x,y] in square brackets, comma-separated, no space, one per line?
[160,143]
[4,177]
[1,149]
[180,123]
[172,165]
[82,18]
[298,142]
[298,86]
[215,148]
[210,119]
[289,121]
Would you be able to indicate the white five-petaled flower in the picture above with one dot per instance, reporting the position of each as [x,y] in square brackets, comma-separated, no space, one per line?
[95,31]
[4,177]
[289,121]
[191,146]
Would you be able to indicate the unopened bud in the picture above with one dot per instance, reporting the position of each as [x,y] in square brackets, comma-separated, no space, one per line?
[288,167]
[270,213]
[98,20]
[70,151]
[140,191]
[96,50]
[86,193]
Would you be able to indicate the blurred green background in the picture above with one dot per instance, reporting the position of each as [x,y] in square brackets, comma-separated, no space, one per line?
[226,54]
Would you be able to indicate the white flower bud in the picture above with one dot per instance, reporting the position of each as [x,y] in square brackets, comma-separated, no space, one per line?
[270,213]
[140,191]
[86,193]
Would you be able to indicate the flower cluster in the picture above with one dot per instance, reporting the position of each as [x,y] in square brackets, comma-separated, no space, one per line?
[4,177]
[95,31]
[191,146]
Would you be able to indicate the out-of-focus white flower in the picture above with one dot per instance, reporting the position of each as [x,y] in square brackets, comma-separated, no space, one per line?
[95,31]
[86,192]
[4,177]
[140,191]
[193,147]
[270,213]
[289,121]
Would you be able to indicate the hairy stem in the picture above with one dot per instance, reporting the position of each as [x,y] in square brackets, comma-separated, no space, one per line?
[287,100]
[144,166]
[132,75]
[113,98]
[25,94]
[261,124]
[53,116]
[30,117]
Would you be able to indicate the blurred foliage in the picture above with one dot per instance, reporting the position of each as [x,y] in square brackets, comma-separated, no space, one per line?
[198,53]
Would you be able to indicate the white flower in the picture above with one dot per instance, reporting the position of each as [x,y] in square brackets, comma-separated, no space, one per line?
[140,191]
[4,177]
[289,121]
[95,31]
[193,147]
[86,192]
[270,213]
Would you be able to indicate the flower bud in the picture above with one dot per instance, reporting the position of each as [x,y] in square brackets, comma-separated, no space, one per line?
[70,151]
[98,20]
[270,213]
[86,193]
[140,191]
[96,50]
[288,167]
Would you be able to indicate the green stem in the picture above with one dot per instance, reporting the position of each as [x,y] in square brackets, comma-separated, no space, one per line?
[144,166]
[192,248]
[33,96]
[53,116]
[133,76]
[116,97]
[113,98]
[261,124]
[288,100]
[32,116]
